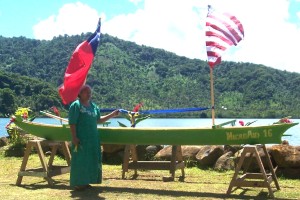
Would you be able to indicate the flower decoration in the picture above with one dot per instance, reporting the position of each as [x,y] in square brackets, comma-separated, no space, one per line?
[55,110]
[285,120]
[241,123]
[134,117]
[137,107]
[9,124]
[23,112]
[247,124]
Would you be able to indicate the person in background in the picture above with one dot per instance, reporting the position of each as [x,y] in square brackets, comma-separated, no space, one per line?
[86,163]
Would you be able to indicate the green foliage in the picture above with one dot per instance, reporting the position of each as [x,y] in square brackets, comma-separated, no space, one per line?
[17,141]
[137,119]
[124,73]
[249,123]
[28,92]
[7,101]
[16,136]
[121,124]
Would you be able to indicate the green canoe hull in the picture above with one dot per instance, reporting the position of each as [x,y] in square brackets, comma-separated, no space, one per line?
[270,134]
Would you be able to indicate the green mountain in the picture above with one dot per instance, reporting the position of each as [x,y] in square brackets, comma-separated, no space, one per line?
[23,91]
[124,74]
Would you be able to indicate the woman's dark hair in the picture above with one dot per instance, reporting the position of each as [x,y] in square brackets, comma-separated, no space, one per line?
[83,88]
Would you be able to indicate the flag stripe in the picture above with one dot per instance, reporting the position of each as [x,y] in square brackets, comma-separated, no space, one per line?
[223,31]
[215,44]
[227,22]
[221,37]
[213,54]
[237,23]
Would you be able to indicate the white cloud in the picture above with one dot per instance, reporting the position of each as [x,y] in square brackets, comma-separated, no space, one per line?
[71,19]
[178,26]
[269,38]
[171,25]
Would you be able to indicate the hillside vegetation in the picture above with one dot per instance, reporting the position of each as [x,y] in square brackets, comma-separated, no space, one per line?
[124,74]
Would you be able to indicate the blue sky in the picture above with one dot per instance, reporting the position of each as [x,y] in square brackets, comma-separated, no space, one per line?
[272,27]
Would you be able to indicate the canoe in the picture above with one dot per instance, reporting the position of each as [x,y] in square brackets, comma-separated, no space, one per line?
[269,134]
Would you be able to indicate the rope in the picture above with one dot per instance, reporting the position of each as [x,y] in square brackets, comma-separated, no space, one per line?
[164,111]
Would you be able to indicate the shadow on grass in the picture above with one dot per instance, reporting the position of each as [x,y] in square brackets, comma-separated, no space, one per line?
[96,192]
[174,193]
[58,185]
[91,193]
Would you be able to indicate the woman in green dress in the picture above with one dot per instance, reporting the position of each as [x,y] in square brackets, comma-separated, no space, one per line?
[86,163]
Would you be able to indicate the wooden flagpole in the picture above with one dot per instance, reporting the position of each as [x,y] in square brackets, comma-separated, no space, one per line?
[212,96]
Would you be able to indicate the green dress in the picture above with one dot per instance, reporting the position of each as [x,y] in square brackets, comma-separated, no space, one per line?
[86,164]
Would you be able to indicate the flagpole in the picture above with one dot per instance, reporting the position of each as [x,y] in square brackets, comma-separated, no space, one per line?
[218,27]
[212,96]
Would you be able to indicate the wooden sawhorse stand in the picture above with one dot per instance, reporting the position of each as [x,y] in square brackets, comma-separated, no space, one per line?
[175,163]
[48,170]
[267,178]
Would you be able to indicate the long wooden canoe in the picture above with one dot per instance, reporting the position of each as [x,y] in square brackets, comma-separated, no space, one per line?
[270,134]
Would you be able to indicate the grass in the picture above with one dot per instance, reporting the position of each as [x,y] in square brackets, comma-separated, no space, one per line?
[202,184]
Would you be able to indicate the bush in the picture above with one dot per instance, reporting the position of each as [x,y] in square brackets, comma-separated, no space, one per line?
[17,141]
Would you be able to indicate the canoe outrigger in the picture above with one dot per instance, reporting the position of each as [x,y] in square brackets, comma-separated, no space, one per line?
[216,135]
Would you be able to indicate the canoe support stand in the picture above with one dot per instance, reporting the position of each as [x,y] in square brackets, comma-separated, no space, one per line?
[176,162]
[267,178]
[47,171]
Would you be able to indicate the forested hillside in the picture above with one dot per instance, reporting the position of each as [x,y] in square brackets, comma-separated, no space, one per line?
[124,74]
[17,91]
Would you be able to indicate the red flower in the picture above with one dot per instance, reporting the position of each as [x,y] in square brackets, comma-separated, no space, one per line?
[10,122]
[285,120]
[55,110]
[241,123]
[137,107]
[25,115]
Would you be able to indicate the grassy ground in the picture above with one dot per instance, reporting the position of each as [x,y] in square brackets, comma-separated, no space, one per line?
[201,184]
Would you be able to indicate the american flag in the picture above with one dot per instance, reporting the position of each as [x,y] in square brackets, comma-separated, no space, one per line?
[223,31]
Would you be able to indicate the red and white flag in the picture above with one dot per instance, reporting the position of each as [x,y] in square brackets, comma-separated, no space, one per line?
[223,31]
